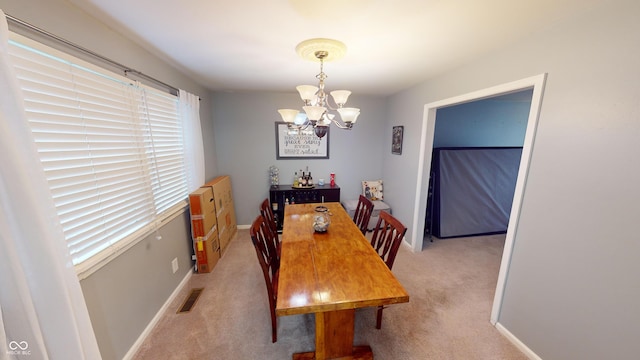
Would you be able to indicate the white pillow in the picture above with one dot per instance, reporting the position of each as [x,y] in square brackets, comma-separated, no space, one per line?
[372,189]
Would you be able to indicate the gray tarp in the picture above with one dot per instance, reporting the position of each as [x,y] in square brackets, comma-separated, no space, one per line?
[473,190]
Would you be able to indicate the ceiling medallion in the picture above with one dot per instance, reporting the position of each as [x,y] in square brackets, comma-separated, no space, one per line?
[334,48]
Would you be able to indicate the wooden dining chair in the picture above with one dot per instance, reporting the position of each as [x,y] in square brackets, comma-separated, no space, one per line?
[363,214]
[264,243]
[386,240]
[267,213]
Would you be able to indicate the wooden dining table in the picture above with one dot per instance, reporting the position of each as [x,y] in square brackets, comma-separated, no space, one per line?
[331,274]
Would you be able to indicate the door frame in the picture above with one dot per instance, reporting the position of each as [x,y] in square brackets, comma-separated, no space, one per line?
[424,166]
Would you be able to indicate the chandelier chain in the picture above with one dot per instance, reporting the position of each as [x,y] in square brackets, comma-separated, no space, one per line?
[321,78]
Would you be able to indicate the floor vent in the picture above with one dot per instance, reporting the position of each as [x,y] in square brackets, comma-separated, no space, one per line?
[190,302]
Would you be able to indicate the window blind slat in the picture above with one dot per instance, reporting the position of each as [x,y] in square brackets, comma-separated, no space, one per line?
[111,150]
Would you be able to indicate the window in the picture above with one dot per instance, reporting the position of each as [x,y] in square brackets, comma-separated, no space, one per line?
[112,150]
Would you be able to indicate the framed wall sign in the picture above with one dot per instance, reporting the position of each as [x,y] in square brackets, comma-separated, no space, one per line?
[301,144]
[396,140]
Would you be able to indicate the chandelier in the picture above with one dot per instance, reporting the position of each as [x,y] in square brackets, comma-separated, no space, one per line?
[318,112]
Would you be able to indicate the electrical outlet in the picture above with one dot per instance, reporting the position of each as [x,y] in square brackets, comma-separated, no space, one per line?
[174,265]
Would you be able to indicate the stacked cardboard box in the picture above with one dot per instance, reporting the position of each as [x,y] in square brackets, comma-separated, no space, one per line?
[225,212]
[207,251]
[213,221]
[204,229]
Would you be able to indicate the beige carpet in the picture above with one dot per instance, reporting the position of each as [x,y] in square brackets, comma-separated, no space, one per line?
[451,285]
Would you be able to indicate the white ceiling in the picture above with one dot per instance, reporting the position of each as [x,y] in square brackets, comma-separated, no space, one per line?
[239,45]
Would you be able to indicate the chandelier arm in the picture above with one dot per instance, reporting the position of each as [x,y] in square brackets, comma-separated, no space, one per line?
[340,125]
[328,104]
[304,126]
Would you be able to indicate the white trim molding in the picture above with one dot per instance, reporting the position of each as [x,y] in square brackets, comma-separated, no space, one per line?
[519,344]
[536,83]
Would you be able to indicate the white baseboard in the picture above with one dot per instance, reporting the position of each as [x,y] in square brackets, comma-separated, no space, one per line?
[515,341]
[244,227]
[136,346]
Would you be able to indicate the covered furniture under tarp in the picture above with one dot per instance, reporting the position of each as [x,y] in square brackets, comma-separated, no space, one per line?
[471,190]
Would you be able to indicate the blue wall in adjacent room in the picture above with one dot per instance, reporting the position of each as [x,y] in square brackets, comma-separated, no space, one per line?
[498,121]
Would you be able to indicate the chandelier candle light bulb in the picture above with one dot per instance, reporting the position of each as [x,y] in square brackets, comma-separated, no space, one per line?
[314,113]
[307,93]
[316,102]
[340,96]
[288,115]
[349,115]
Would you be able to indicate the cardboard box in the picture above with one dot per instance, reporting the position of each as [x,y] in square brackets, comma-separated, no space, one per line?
[223,231]
[224,241]
[203,212]
[232,223]
[225,212]
[227,227]
[207,251]
[222,193]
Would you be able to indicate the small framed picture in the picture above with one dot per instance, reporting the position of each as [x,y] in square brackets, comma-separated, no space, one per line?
[396,140]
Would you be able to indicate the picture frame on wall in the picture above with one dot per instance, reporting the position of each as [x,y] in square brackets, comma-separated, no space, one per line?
[396,140]
[301,144]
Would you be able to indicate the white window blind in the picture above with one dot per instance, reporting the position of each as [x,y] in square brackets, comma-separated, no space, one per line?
[165,147]
[112,151]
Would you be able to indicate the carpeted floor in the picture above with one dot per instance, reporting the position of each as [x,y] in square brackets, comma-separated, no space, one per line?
[451,286]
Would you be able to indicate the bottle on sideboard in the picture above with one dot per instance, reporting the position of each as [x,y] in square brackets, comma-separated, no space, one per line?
[303,180]
[296,180]
[310,180]
[307,176]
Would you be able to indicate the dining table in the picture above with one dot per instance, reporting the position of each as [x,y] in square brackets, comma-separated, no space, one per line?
[331,274]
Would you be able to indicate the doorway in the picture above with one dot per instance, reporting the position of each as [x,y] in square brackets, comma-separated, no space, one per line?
[536,83]
[477,147]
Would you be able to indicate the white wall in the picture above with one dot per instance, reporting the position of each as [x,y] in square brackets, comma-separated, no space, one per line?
[571,290]
[244,126]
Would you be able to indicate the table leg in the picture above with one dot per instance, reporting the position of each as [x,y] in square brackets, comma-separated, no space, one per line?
[334,338]
[334,333]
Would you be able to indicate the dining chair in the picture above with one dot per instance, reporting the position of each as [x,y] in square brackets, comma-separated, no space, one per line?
[267,213]
[363,214]
[386,240]
[264,243]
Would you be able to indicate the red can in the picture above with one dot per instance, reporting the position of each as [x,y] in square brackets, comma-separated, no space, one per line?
[332,176]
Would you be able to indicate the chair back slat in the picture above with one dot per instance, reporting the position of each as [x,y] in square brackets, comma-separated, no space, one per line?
[386,240]
[387,237]
[265,244]
[270,218]
[267,212]
[363,213]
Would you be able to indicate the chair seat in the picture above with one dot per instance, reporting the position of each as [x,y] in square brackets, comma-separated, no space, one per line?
[350,206]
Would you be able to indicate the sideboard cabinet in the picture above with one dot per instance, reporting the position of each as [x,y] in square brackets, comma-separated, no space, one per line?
[279,195]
